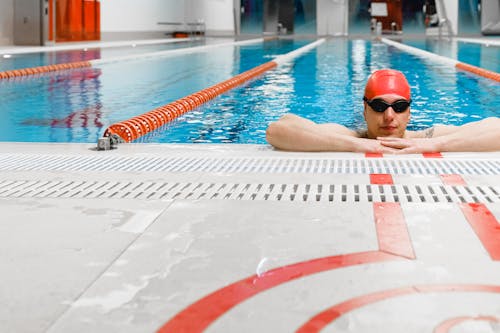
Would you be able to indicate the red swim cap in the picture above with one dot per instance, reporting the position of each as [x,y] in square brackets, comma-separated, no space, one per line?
[387,81]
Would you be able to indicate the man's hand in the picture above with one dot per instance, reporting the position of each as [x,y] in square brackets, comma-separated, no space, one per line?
[373,146]
[409,146]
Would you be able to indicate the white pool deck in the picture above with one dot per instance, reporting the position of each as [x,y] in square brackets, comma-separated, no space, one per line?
[243,238]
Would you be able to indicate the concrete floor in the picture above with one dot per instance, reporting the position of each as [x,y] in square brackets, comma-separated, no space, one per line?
[242,238]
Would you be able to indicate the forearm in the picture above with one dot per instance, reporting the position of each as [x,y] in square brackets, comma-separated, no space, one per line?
[483,135]
[306,139]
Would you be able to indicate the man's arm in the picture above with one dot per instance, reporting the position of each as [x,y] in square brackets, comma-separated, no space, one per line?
[483,135]
[295,133]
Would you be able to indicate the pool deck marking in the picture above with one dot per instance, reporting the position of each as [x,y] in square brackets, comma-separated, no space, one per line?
[447,325]
[374,155]
[426,155]
[394,244]
[485,226]
[326,317]
[386,179]
[453,180]
[393,238]
[381,179]
[432,155]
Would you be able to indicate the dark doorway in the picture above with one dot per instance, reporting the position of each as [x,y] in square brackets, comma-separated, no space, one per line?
[279,16]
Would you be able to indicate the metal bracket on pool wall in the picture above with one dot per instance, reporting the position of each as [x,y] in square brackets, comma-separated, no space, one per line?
[109,142]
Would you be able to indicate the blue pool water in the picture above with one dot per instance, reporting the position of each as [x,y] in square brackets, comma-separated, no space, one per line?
[324,85]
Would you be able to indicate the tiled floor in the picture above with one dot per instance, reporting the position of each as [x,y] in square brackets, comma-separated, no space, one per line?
[242,238]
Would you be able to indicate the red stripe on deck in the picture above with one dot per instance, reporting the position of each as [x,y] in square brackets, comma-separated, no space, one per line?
[392,232]
[447,325]
[381,179]
[394,244]
[324,318]
[374,155]
[432,155]
[198,316]
[485,225]
[452,180]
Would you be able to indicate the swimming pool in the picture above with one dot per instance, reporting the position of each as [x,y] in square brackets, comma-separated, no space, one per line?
[324,85]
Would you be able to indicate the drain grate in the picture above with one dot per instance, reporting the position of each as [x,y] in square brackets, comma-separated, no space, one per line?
[248,191]
[37,162]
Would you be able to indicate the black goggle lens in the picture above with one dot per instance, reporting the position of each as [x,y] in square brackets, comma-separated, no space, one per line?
[379,105]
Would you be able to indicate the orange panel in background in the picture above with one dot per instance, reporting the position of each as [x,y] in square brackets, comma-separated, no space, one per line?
[60,9]
[51,20]
[77,20]
[98,19]
[91,20]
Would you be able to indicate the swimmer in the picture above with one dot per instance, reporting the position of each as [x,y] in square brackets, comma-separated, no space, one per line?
[387,101]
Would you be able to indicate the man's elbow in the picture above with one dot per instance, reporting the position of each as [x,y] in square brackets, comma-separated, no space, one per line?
[492,121]
[278,135]
[273,133]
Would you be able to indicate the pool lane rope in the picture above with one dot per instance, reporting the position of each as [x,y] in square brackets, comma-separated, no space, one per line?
[133,128]
[98,62]
[444,60]
[43,69]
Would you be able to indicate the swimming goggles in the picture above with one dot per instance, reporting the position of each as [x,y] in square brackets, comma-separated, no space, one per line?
[379,105]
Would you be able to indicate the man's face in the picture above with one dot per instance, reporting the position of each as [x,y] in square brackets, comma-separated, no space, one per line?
[387,123]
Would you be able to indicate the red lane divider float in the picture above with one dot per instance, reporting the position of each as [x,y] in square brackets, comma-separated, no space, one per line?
[44,69]
[133,128]
[479,71]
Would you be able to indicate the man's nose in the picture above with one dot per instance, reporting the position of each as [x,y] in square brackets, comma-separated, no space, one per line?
[389,113]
